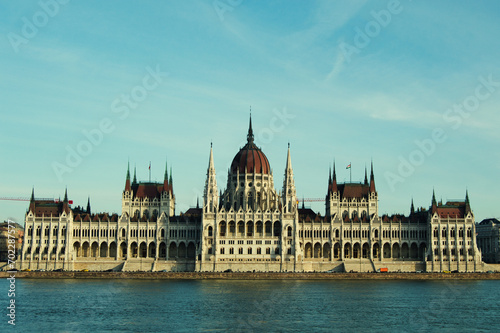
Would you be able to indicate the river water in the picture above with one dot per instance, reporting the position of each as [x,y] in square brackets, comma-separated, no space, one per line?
[69,305]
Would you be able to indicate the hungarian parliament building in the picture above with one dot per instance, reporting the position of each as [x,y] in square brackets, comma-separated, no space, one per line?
[250,226]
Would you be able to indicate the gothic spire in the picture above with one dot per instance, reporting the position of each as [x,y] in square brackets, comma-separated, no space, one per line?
[127,180]
[467,203]
[170,181]
[166,170]
[366,177]
[334,180]
[66,195]
[32,202]
[211,159]
[88,206]
[134,181]
[372,179]
[288,159]
[250,131]
[434,202]
[412,208]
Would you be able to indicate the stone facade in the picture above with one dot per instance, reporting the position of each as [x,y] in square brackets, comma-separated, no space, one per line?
[250,226]
[488,240]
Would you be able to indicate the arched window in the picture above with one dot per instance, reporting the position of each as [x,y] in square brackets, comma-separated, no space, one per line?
[210,231]
[289,231]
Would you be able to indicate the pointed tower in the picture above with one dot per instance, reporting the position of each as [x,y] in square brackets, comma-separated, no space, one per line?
[329,180]
[32,201]
[366,177]
[334,180]
[134,181]
[412,207]
[373,196]
[171,182]
[372,179]
[332,197]
[127,193]
[467,203]
[210,195]
[289,195]
[167,202]
[127,181]
[166,185]
[88,206]
[434,202]
[66,202]
[250,131]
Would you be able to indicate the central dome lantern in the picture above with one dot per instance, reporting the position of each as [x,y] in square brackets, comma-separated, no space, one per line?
[250,159]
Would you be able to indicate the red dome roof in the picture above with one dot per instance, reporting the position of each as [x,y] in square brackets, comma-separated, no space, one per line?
[250,157]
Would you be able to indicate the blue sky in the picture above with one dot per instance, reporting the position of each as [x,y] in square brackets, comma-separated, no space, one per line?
[347,81]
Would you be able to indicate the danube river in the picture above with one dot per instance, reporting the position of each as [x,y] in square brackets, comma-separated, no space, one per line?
[127,305]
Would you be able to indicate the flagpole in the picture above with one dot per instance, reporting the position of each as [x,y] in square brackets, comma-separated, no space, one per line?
[350,172]
[150,171]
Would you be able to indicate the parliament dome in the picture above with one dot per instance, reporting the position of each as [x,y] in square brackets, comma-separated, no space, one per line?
[250,158]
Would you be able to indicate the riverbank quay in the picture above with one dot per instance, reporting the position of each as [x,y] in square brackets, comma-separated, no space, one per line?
[251,276]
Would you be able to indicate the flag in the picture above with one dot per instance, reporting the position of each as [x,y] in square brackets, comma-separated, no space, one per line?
[149,165]
[349,166]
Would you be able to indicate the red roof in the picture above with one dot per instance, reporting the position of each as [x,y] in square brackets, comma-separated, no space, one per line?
[251,158]
[148,190]
[452,212]
[353,190]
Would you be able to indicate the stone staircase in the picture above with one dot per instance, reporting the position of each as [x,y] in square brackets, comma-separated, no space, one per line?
[139,265]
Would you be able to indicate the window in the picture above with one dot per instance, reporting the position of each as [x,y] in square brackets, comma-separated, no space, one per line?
[268,251]
[240,250]
[222,250]
[249,250]
[210,231]
[231,250]
[259,250]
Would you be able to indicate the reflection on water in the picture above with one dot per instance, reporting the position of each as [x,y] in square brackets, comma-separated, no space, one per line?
[254,306]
